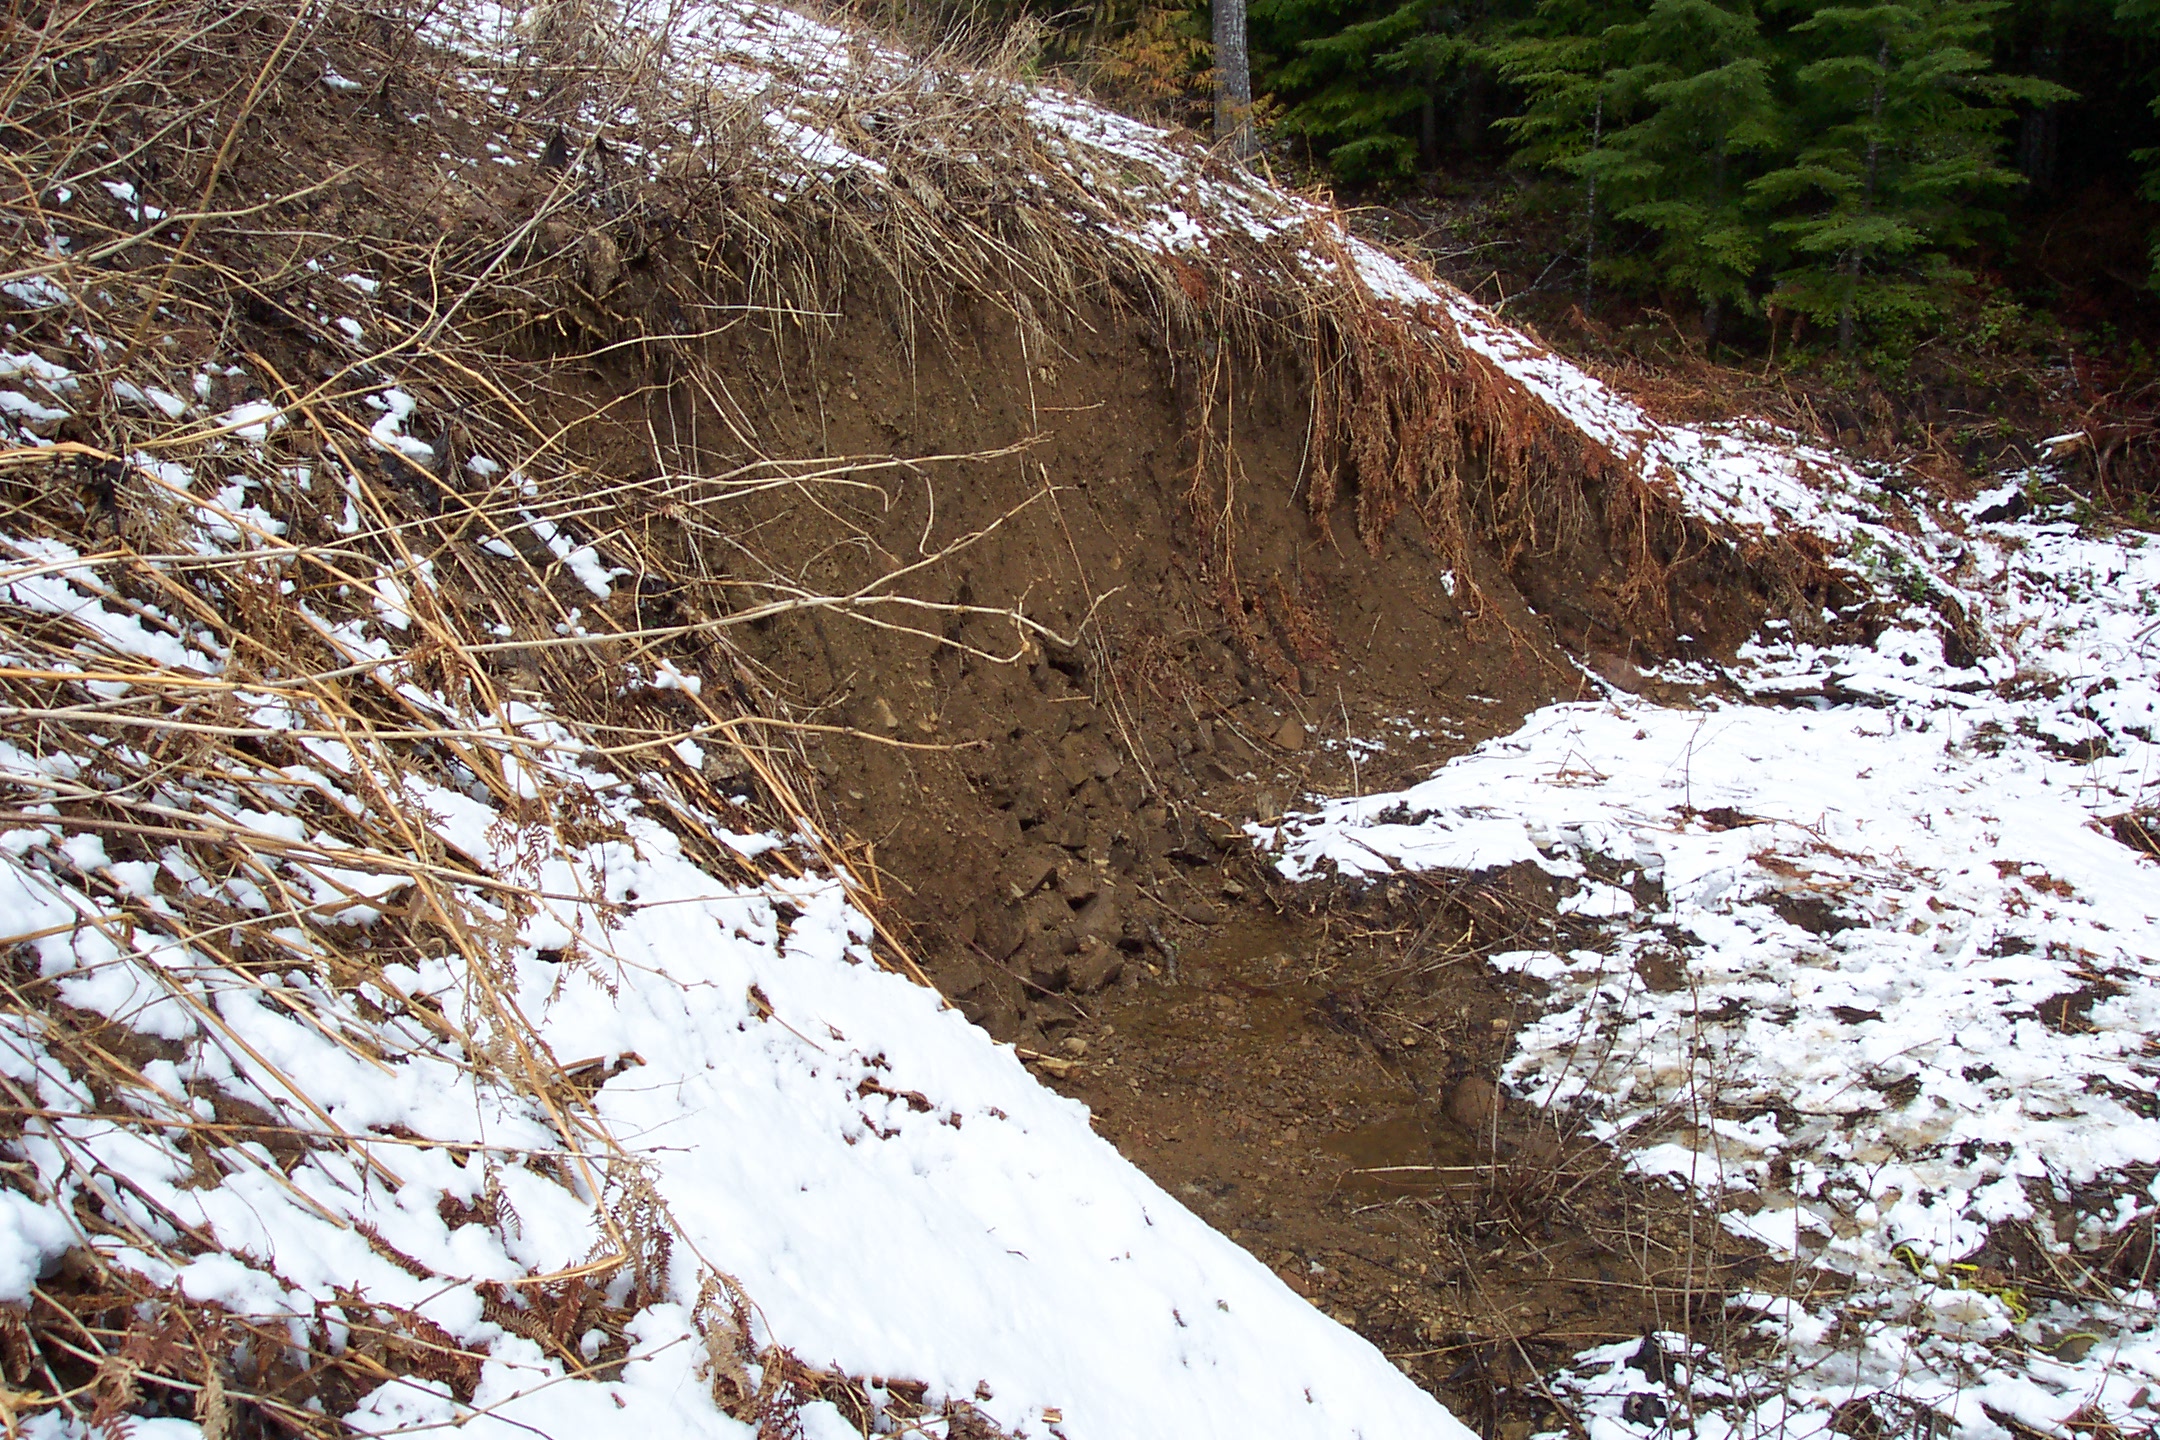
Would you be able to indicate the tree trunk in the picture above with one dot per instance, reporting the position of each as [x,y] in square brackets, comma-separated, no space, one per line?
[1589,255]
[1867,196]
[1233,80]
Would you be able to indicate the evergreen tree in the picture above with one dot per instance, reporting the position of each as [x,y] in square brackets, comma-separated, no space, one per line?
[1328,63]
[1364,80]
[1565,59]
[2143,16]
[1659,114]
[1895,165]
[1681,170]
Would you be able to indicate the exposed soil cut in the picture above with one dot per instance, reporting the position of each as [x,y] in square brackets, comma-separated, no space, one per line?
[1059,834]
[1051,808]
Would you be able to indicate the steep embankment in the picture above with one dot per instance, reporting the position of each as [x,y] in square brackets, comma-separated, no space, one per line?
[561,563]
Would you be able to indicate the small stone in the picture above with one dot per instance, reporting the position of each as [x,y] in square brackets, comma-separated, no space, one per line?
[1093,967]
[1232,890]
[1473,1104]
[1617,671]
[1107,764]
[1075,1047]
[1290,737]
[603,262]
[1099,916]
[1026,873]
[1201,914]
[1047,968]
[1045,913]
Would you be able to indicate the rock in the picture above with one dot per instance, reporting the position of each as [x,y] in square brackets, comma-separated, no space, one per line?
[1198,849]
[1617,671]
[1046,966]
[1075,1047]
[1078,883]
[881,714]
[1094,966]
[1232,890]
[1201,914]
[1099,917]
[1097,847]
[603,263]
[998,930]
[1474,1104]
[1045,912]
[1026,873]
[961,976]
[1289,736]
[1107,764]
[1076,760]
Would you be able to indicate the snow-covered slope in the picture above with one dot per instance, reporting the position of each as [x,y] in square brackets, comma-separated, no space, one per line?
[371,1022]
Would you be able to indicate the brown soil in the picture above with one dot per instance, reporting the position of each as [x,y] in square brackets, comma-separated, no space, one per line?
[1309,1068]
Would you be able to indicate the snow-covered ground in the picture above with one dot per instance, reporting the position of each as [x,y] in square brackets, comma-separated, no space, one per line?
[765,1114]
[1858,957]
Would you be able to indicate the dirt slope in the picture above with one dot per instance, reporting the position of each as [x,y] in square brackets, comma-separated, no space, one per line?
[1056,834]
[1047,609]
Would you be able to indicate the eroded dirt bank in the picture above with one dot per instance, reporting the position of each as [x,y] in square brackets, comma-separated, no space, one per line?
[1055,826]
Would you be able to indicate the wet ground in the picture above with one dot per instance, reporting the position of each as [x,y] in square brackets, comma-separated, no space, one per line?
[1318,1086]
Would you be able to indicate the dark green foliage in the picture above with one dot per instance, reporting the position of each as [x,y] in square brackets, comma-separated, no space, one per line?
[1339,58]
[1837,160]
[1367,82]
[1828,163]
[1846,162]
[2142,19]
[1898,127]
[1658,113]
[1700,69]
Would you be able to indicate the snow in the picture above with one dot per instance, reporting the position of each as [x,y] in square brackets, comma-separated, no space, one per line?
[1918,967]
[1912,950]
